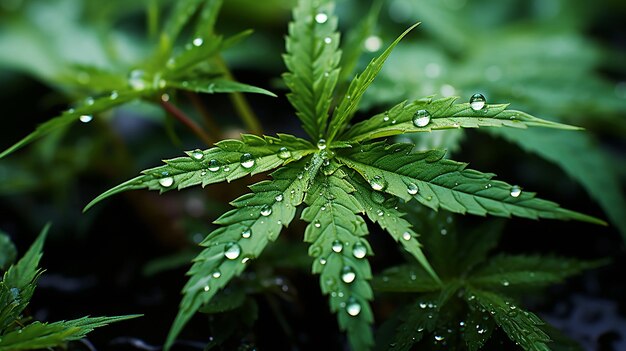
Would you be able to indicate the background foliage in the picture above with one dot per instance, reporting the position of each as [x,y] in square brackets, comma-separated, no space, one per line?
[556,59]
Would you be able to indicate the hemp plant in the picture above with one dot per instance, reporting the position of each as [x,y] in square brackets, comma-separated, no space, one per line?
[340,175]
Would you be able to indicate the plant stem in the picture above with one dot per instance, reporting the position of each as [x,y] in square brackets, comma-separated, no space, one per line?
[212,128]
[241,104]
[152,18]
[188,122]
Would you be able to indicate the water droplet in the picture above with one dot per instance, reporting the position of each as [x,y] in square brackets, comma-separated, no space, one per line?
[317,224]
[85,118]
[477,102]
[481,331]
[207,288]
[216,274]
[412,189]
[516,191]
[444,231]
[197,154]
[439,337]
[380,213]
[136,79]
[386,118]
[232,251]
[337,246]
[505,283]
[321,18]
[226,168]
[359,250]
[246,233]
[348,274]
[247,161]
[353,307]
[279,197]
[114,95]
[406,236]
[423,305]
[245,260]
[373,43]
[165,97]
[166,182]
[378,183]
[214,165]
[461,324]
[421,118]
[89,101]
[322,261]
[321,144]
[284,153]
[328,40]
[198,42]
[266,210]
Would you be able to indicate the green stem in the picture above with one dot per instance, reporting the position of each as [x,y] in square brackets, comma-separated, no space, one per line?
[241,104]
[211,126]
[152,18]
[188,122]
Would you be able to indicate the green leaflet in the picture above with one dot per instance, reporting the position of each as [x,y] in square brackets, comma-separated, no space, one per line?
[181,14]
[258,218]
[405,278]
[478,328]
[504,271]
[381,210]
[521,326]
[8,252]
[89,107]
[582,159]
[211,86]
[39,335]
[312,58]
[443,114]
[350,102]
[229,160]
[335,232]
[440,183]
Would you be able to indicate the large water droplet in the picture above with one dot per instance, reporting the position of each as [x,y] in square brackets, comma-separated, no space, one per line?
[232,251]
[166,182]
[198,42]
[406,236]
[348,274]
[246,233]
[337,246]
[378,183]
[317,224]
[207,288]
[284,153]
[477,102]
[516,191]
[321,144]
[197,154]
[136,79]
[359,250]
[421,118]
[86,118]
[247,161]
[216,274]
[353,307]
[321,18]
[412,189]
[266,210]
[214,165]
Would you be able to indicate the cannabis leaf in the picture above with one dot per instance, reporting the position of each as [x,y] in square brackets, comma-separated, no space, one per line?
[244,232]
[312,59]
[157,75]
[16,290]
[437,182]
[425,115]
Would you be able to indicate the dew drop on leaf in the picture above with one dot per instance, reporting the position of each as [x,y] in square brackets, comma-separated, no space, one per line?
[246,233]
[321,144]
[321,18]
[378,183]
[214,166]
[232,251]
[136,79]
[207,288]
[477,102]
[114,95]
[322,261]
[439,337]
[166,182]
[198,42]
[412,189]
[353,307]
[247,161]
[216,274]
[328,40]
[266,210]
[421,118]
[359,250]
[197,154]
[89,101]
[337,246]
[406,236]
[86,118]
[317,224]
[284,153]
[348,274]
[516,191]
[380,213]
